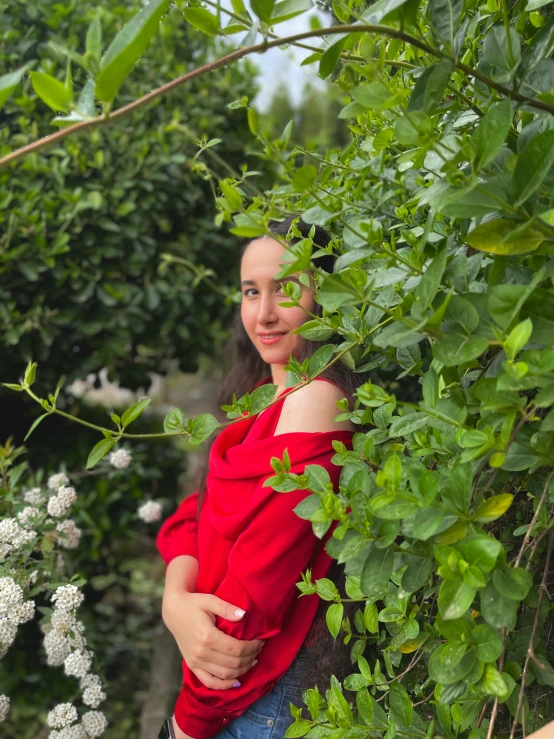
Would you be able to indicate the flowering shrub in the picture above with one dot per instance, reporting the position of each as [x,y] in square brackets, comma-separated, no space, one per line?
[33,539]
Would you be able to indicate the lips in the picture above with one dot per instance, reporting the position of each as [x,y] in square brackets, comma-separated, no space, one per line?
[271,338]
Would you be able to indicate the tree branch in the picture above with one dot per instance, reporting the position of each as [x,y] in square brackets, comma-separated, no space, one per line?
[260,48]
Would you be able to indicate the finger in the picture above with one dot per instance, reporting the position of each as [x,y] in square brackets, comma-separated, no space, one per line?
[212,682]
[227,673]
[235,647]
[228,661]
[222,608]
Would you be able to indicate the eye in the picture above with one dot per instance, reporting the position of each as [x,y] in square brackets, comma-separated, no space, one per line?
[248,290]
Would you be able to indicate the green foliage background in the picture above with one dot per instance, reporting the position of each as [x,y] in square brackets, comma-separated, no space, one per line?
[83,226]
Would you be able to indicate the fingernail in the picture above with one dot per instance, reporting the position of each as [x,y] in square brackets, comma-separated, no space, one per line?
[239,612]
[236,685]
[255,662]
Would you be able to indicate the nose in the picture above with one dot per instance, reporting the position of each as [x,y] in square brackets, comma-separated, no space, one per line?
[266,313]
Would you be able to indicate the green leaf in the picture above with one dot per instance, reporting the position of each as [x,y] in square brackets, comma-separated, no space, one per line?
[93,43]
[512,582]
[364,704]
[446,669]
[51,91]
[400,705]
[496,237]
[413,129]
[498,610]
[174,421]
[454,349]
[381,9]
[426,522]
[304,178]
[545,397]
[289,9]
[346,288]
[490,135]
[374,96]
[428,286]
[99,451]
[333,618]
[496,48]
[331,57]
[320,359]
[134,411]
[376,571]
[202,427]
[416,574]
[299,728]
[8,83]
[202,19]
[532,166]
[444,17]
[34,425]
[403,425]
[455,597]
[371,618]
[493,508]
[518,338]
[539,48]
[493,683]
[263,9]
[489,643]
[482,552]
[430,86]
[127,48]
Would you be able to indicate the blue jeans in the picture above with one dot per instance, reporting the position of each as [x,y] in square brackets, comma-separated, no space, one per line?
[269,717]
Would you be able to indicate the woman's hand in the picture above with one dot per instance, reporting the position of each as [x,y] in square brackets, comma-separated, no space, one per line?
[216,659]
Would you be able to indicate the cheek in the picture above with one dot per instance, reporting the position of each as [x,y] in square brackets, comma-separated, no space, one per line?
[246,317]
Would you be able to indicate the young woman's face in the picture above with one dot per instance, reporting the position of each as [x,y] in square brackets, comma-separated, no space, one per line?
[268,325]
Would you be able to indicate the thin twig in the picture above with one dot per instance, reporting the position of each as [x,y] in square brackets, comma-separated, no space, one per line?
[534,520]
[531,647]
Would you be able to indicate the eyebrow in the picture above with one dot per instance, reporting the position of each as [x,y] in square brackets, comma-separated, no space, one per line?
[277,282]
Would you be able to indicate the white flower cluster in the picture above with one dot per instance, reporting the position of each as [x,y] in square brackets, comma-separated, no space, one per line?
[120,459]
[64,717]
[58,504]
[4,707]
[13,536]
[14,610]
[150,512]
[33,496]
[69,534]
[65,644]
[57,481]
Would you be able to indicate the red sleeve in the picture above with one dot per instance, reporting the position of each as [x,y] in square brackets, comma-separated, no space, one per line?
[178,534]
[264,567]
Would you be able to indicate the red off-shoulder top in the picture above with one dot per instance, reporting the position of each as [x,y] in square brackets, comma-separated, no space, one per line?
[251,549]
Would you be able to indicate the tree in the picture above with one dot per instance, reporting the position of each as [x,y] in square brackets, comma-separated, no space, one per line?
[442,214]
[84,227]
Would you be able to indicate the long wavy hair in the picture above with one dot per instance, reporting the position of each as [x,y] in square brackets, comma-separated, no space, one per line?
[327,656]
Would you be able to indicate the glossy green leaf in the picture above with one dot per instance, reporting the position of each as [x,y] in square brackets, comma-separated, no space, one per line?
[533,164]
[377,571]
[496,237]
[400,705]
[51,91]
[127,48]
[134,411]
[8,83]
[263,9]
[333,618]
[497,610]
[512,582]
[489,643]
[99,451]
[490,135]
[202,19]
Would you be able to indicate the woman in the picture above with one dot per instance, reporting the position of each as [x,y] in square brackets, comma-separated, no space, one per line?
[248,641]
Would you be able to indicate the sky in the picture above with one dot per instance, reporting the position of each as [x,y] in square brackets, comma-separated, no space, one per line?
[279,66]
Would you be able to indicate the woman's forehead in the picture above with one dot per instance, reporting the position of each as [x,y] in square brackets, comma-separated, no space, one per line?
[263,257]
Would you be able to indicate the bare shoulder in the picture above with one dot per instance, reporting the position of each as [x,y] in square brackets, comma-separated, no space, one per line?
[312,408]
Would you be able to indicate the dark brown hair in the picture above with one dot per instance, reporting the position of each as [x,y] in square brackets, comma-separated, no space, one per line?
[327,656]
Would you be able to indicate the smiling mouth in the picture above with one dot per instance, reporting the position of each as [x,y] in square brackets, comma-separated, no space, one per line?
[271,338]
